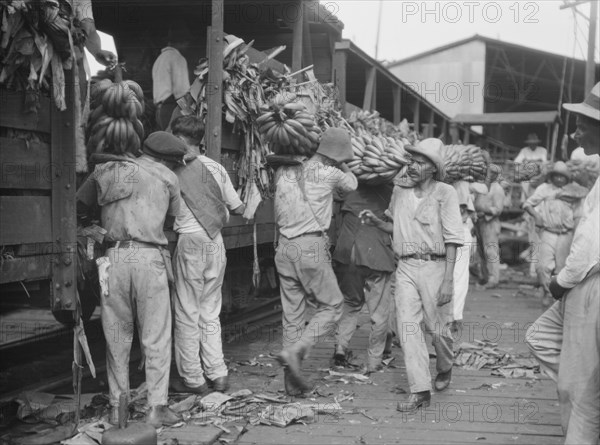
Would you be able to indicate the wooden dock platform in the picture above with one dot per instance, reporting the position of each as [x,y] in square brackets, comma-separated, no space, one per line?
[477,407]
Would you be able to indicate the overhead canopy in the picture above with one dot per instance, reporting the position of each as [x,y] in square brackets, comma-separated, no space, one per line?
[531,117]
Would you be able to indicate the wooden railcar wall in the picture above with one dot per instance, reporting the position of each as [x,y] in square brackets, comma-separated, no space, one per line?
[37,196]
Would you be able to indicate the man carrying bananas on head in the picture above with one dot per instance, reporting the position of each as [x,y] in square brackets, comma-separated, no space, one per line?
[303,210]
[426,229]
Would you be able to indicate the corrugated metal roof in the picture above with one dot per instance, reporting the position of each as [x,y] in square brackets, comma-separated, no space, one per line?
[479,38]
[531,117]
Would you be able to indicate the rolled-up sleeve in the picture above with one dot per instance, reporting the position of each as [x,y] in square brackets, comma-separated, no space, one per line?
[343,182]
[347,182]
[452,227]
[585,248]
[175,200]
[541,193]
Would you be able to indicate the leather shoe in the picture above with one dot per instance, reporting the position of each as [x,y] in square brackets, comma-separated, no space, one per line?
[443,380]
[291,389]
[339,356]
[292,362]
[220,384]
[178,386]
[162,415]
[415,401]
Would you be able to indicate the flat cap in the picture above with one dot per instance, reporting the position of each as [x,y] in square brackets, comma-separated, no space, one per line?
[163,145]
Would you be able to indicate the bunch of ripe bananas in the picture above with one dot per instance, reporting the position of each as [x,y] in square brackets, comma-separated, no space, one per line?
[115,118]
[465,162]
[377,159]
[288,127]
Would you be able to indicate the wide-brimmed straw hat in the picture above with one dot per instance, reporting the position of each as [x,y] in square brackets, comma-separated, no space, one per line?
[590,107]
[532,138]
[560,168]
[336,144]
[431,148]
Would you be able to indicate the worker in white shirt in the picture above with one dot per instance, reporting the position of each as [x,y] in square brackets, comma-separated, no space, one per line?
[552,207]
[489,206]
[565,339]
[170,75]
[531,153]
[303,209]
[463,253]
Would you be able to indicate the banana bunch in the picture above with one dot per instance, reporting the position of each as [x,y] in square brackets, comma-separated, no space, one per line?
[377,159]
[115,118]
[288,127]
[463,162]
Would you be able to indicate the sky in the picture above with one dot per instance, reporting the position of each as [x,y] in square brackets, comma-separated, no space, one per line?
[411,27]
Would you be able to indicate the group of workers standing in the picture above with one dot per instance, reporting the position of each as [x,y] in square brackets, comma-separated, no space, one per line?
[401,251]
[133,197]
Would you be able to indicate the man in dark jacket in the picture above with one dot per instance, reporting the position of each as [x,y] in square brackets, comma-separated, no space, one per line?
[364,262]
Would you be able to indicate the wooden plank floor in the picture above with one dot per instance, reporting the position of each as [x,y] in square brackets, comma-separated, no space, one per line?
[519,411]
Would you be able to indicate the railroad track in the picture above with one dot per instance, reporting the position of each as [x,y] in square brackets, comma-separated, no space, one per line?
[234,327]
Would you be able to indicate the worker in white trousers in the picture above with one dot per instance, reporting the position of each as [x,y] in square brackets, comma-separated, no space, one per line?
[566,338]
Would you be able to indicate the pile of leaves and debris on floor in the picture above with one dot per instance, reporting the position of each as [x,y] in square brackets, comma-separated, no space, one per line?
[46,418]
[486,354]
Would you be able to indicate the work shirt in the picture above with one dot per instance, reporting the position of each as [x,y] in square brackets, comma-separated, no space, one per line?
[169,75]
[186,222]
[585,248]
[526,154]
[135,196]
[363,244]
[425,225]
[490,204]
[298,213]
[557,215]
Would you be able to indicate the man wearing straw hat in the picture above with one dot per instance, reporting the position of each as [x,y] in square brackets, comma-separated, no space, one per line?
[426,230]
[531,153]
[565,339]
[303,210]
[551,207]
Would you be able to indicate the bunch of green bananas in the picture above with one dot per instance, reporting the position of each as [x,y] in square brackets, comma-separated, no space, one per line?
[377,159]
[463,162]
[115,118]
[288,127]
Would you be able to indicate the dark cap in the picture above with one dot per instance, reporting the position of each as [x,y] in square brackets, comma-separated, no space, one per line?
[165,146]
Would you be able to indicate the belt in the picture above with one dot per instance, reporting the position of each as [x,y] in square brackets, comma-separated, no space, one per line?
[558,232]
[131,244]
[424,256]
[318,233]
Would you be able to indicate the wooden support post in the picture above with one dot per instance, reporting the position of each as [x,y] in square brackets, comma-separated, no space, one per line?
[369,98]
[340,58]
[297,28]
[306,38]
[214,116]
[397,92]
[416,115]
[64,219]
[454,135]
[431,123]
[548,136]
[467,136]
[444,134]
